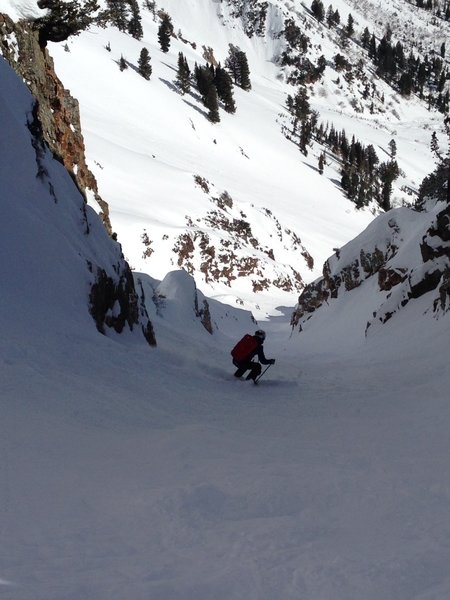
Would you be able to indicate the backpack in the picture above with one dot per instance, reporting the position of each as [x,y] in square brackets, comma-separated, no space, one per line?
[244,348]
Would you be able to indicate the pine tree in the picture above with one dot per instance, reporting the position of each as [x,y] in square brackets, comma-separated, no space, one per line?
[123,64]
[437,184]
[385,58]
[321,162]
[344,146]
[165,32]
[372,47]
[64,18]
[388,173]
[303,120]
[372,161]
[244,78]
[345,178]
[237,66]
[365,38]
[392,149]
[340,62]
[135,24]
[119,13]
[405,84]
[350,29]
[204,79]
[434,146]
[298,107]
[232,63]
[306,131]
[183,74]
[421,77]
[318,10]
[330,16]
[224,86]
[388,34]
[211,102]
[443,50]
[445,102]
[399,56]
[144,66]
[321,66]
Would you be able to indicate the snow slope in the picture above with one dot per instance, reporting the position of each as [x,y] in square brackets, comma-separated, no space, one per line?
[152,473]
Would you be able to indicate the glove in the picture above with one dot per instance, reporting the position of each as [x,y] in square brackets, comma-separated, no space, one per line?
[272,361]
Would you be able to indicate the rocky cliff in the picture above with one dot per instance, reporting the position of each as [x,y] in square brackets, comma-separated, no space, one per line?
[57,110]
[405,252]
[54,132]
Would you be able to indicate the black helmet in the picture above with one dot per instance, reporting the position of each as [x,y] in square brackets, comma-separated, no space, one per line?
[260,334]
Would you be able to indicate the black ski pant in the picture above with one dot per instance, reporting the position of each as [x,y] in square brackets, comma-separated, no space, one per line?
[254,367]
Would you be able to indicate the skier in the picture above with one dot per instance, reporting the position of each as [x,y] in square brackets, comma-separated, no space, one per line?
[246,349]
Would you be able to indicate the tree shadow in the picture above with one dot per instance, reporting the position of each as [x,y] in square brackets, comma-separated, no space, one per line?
[133,67]
[171,67]
[129,65]
[336,182]
[199,110]
[172,87]
[312,167]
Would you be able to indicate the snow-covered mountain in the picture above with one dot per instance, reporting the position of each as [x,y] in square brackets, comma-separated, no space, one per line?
[165,169]
[235,203]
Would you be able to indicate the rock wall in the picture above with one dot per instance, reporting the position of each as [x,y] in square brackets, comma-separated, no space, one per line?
[408,253]
[57,111]
[54,126]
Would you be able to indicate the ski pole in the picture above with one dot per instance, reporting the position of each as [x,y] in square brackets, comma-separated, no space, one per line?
[258,378]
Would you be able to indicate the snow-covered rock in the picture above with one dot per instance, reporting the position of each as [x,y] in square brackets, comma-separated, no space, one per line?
[403,255]
[60,268]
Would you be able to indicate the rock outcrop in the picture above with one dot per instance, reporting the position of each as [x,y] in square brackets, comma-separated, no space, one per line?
[408,254]
[224,246]
[57,111]
[114,303]
[54,126]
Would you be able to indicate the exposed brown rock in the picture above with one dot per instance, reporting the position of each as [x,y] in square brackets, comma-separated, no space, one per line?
[57,111]
[442,303]
[389,278]
[429,282]
[115,304]
[204,314]
[412,282]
